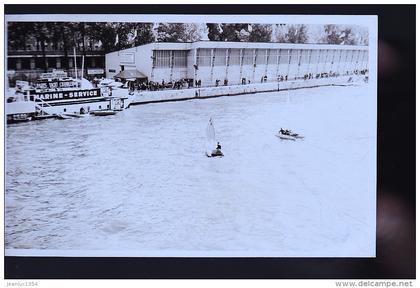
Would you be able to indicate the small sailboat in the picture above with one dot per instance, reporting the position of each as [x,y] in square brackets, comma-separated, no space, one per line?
[103,112]
[74,115]
[63,117]
[213,148]
[288,135]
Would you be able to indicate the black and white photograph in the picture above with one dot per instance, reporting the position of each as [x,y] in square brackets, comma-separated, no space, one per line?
[184,136]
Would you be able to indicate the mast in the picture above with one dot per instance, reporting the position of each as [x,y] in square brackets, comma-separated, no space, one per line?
[75,61]
[211,133]
[83,65]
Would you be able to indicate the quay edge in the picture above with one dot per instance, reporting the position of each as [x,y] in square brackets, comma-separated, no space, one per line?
[146,97]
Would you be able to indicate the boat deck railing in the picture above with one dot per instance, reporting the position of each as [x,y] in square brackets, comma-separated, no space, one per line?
[42,106]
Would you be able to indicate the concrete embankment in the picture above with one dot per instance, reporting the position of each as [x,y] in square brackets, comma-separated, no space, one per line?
[145,97]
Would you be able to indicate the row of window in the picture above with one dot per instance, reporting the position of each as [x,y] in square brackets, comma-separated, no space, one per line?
[168,58]
[52,62]
[90,46]
[279,56]
[221,57]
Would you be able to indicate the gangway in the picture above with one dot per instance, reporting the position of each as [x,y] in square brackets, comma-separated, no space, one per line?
[44,112]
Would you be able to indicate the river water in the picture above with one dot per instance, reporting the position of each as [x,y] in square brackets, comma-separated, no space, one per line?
[139,182]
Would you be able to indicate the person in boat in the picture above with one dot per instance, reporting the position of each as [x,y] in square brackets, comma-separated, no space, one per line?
[218,151]
[284,131]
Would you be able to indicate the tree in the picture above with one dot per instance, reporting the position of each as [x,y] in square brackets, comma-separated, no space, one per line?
[18,35]
[260,33]
[347,37]
[143,33]
[234,32]
[191,32]
[285,33]
[361,35]
[178,32]
[296,34]
[106,34]
[332,35]
[122,32]
[340,35]
[81,27]
[228,32]
[13,41]
[170,32]
[279,33]
[42,34]
[56,37]
[66,30]
[214,31]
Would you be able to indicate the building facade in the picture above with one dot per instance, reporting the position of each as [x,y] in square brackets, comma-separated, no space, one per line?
[220,63]
[30,64]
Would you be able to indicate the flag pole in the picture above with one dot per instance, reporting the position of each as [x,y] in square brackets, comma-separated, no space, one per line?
[83,65]
[75,61]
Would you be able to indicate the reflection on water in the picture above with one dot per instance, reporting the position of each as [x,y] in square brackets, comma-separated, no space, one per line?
[140,180]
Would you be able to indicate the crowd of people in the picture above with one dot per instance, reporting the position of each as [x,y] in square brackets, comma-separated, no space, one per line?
[156,86]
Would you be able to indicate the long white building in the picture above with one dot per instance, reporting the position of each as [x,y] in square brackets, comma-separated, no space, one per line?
[236,62]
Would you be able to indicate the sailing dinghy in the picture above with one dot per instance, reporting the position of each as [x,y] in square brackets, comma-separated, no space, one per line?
[212,149]
[288,135]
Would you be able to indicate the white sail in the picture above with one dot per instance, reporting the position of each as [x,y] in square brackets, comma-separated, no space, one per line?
[210,138]
[211,133]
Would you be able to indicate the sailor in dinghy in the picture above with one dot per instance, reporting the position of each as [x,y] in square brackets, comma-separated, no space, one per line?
[218,151]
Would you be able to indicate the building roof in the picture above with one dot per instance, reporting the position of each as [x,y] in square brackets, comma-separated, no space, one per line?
[240,45]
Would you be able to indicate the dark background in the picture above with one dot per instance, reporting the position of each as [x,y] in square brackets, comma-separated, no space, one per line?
[395,172]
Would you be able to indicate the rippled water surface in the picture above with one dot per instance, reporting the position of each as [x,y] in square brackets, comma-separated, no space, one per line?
[140,181]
